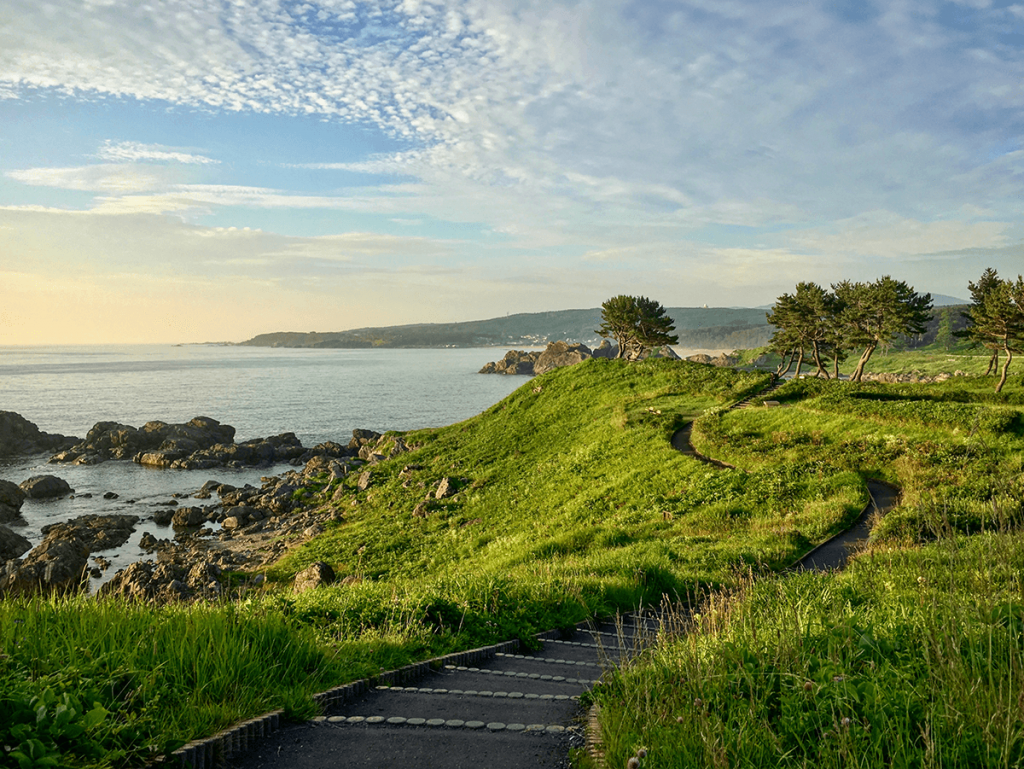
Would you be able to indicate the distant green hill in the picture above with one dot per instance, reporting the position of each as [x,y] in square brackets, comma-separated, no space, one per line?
[701,327]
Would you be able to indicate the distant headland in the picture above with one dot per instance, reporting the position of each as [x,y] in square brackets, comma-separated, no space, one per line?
[696,327]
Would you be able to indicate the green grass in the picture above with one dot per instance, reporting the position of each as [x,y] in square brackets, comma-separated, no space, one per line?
[912,657]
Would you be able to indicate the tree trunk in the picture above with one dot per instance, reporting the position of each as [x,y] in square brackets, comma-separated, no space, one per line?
[993,363]
[864,357]
[799,363]
[817,361]
[1006,365]
[835,365]
[781,372]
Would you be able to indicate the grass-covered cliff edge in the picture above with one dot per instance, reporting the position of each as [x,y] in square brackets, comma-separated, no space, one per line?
[567,500]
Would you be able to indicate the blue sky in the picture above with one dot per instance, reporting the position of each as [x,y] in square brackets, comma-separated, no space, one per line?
[190,171]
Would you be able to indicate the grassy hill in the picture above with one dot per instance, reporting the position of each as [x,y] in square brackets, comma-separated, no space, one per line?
[568,502]
[912,656]
[707,327]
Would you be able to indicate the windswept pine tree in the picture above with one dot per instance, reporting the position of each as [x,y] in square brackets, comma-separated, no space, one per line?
[637,324]
[996,319]
[876,313]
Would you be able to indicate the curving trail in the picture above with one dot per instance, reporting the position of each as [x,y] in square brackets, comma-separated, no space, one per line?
[833,553]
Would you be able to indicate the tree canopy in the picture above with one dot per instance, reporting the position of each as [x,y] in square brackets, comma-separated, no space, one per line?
[637,324]
[996,319]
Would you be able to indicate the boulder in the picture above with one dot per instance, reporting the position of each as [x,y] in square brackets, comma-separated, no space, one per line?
[444,489]
[96,532]
[189,517]
[19,436]
[605,350]
[514,362]
[11,499]
[313,576]
[45,487]
[12,545]
[165,582]
[364,481]
[55,566]
[360,438]
[156,443]
[559,354]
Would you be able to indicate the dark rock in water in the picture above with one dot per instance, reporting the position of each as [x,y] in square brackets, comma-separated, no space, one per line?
[110,495]
[560,354]
[189,516]
[55,566]
[313,576]
[96,532]
[514,362]
[45,487]
[12,545]
[19,436]
[11,500]
[163,517]
[160,442]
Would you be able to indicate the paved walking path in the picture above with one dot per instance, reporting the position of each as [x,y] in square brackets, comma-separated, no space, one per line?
[516,710]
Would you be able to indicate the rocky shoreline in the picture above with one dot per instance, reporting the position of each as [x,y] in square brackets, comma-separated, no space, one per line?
[245,529]
[559,354]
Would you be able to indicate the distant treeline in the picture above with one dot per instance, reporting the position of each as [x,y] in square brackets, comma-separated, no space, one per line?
[697,327]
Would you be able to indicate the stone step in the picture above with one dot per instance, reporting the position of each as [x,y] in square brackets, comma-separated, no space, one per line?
[509,705]
[322,745]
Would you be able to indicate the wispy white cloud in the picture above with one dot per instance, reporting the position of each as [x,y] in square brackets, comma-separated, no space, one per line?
[135,151]
[105,178]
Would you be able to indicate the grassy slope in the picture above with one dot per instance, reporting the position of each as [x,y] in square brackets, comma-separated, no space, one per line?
[573,477]
[871,667]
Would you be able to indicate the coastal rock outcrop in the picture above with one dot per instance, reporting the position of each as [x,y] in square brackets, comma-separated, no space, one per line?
[166,581]
[113,440]
[11,500]
[605,350]
[12,545]
[20,436]
[96,532]
[560,354]
[722,360]
[45,487]
[56,565]
[514,362]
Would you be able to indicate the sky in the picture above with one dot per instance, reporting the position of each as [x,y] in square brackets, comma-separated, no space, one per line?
[208,170]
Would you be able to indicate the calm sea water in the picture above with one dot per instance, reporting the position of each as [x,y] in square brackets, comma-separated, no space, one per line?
[317,394]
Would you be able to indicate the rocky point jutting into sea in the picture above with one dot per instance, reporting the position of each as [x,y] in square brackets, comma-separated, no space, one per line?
[247,527]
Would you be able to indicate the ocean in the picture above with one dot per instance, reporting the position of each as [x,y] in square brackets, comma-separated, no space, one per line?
[319,395]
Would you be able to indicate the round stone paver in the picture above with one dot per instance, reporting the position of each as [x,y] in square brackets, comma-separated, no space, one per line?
[515,727]
[496,726]
[416,721]
[475,724]
[396,720]
[375,720]
[435,722]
